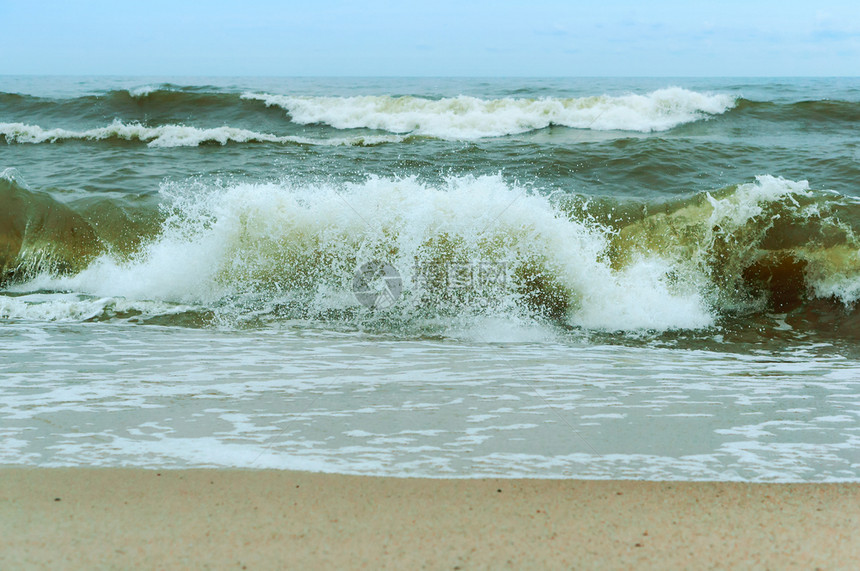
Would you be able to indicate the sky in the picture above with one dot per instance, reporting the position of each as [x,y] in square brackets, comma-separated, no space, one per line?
[431,38]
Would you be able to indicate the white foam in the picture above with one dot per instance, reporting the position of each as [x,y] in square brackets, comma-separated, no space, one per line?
[748,201]
[643,298]
[348,403]
[223,242]
[75,308]
[61,308]
[144,90]
[844,288]
[174,135]
[467,117]
[12,174]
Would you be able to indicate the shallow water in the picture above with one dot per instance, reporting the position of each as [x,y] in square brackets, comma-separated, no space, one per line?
[298,398]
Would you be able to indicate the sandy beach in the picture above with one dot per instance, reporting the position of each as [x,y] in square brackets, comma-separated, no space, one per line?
[130,518]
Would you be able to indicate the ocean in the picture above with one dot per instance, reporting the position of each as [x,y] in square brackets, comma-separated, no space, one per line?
[642,278]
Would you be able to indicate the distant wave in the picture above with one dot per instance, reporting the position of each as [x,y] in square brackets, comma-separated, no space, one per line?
[454,118]
[174,135]
[466,117]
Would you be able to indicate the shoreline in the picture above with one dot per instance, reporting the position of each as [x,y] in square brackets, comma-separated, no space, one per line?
[124,518]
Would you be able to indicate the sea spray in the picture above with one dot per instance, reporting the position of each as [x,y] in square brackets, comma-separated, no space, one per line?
[299,245]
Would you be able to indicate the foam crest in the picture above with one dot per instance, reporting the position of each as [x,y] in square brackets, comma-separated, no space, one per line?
[11,174]
[56,308]
[75,307]
[293,250]
[466,117]
[144,90]
[750,201]
[174,135]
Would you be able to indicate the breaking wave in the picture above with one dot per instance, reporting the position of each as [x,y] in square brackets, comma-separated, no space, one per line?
[466,117]
[175,136]
[474,247]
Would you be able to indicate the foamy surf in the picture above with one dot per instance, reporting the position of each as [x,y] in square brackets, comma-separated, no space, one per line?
[467,248]
[175,135]
[71,307]
[467,117]
[475,246]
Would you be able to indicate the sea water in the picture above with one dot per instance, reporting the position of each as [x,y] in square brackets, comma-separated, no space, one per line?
[577,278]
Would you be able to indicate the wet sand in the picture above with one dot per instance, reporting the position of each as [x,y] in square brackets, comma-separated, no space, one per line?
[130,518]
